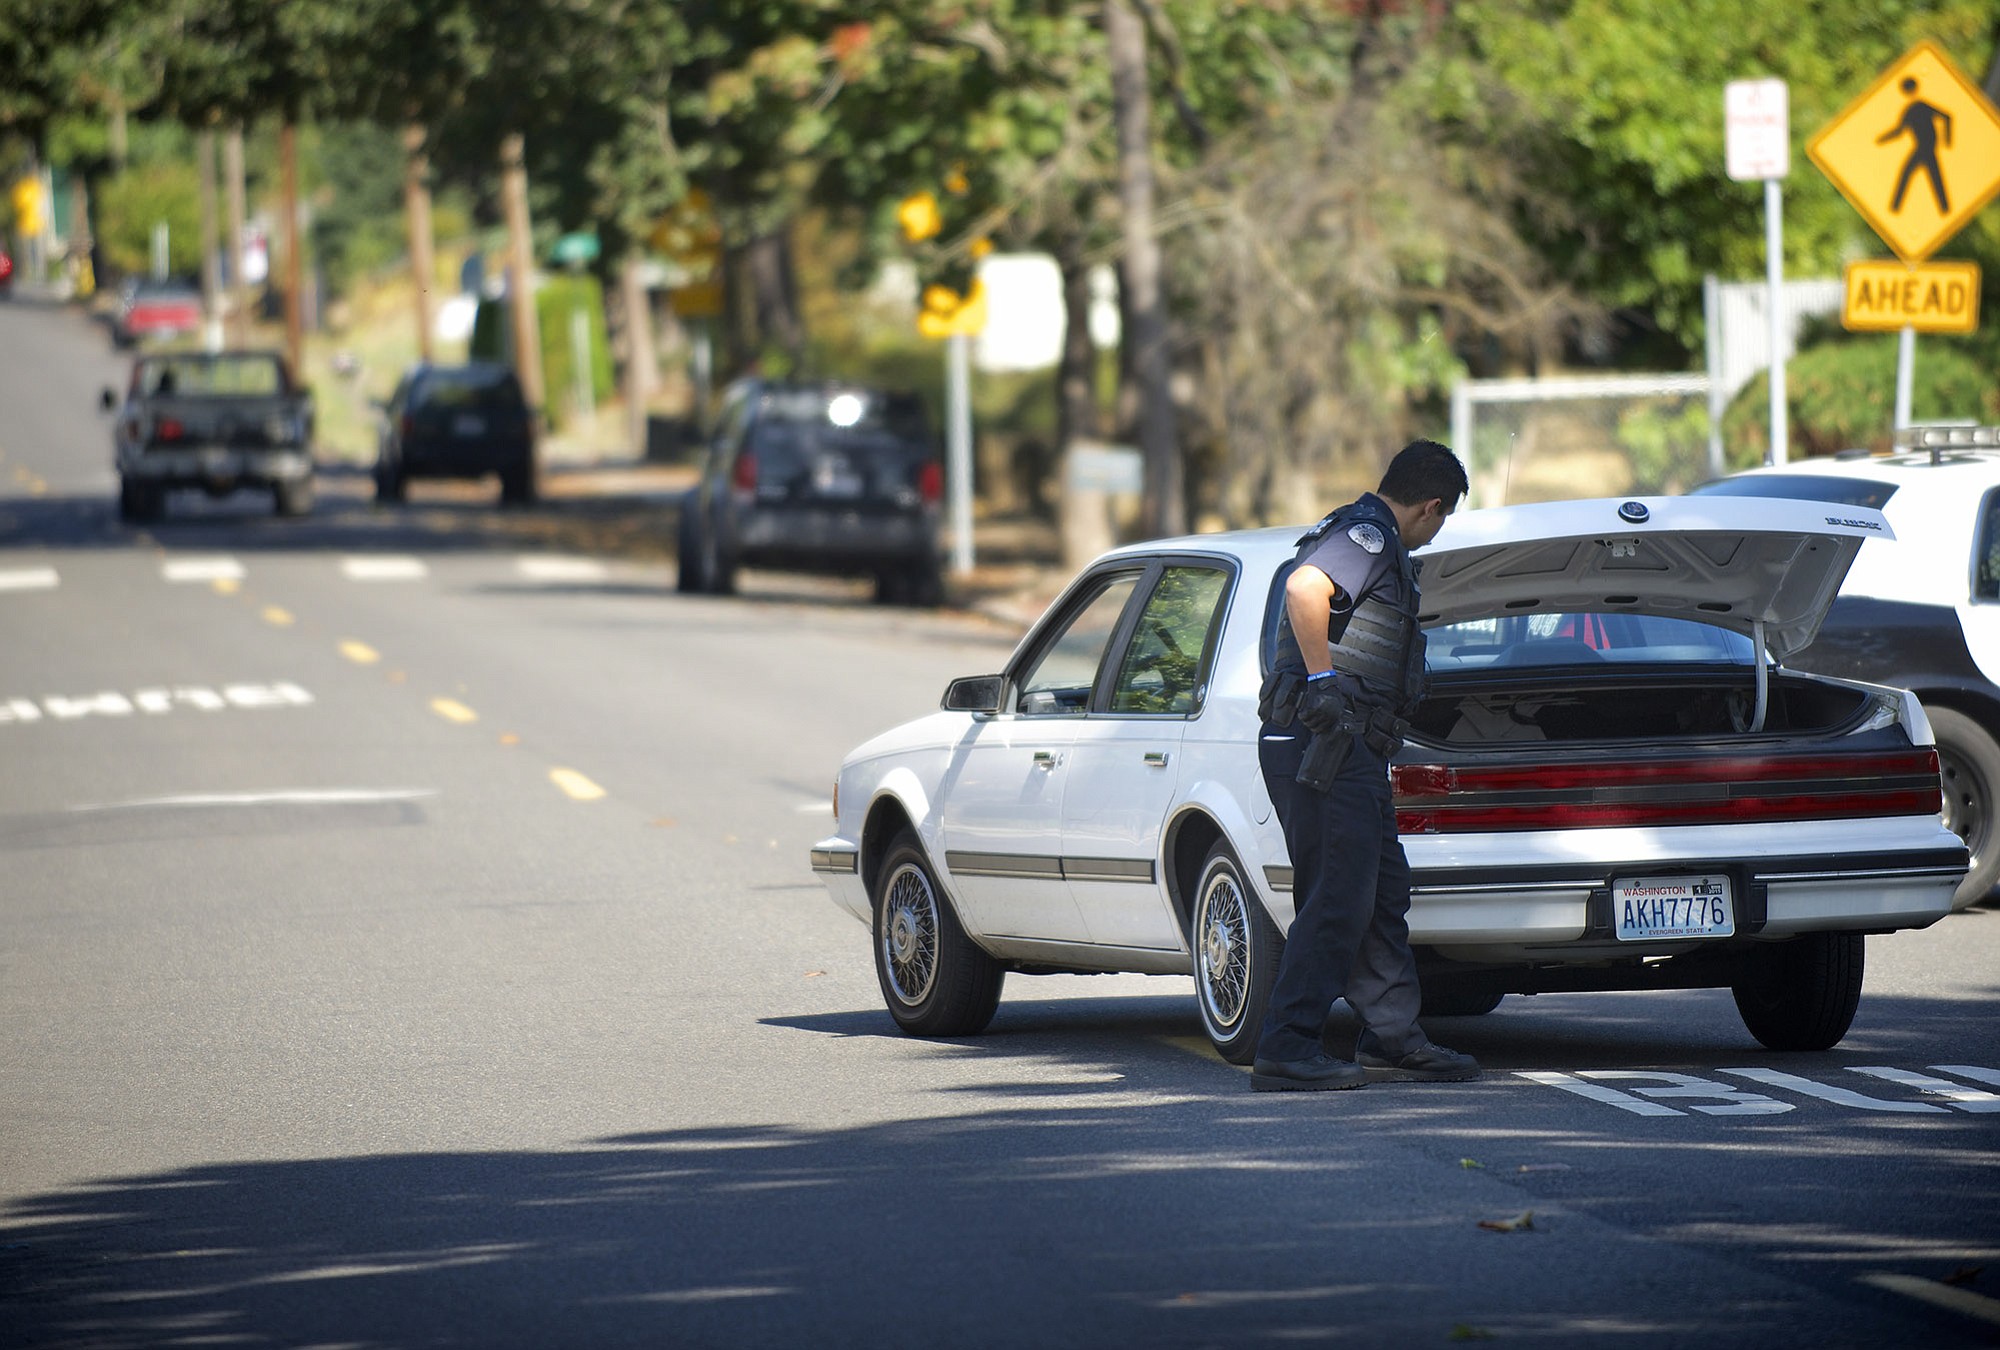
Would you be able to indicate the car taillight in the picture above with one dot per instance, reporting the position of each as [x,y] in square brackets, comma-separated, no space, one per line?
[407,427]
[930,482]
[744,478]
[168,429]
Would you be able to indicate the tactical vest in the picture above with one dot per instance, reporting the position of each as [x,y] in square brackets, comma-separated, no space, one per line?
[1381,647]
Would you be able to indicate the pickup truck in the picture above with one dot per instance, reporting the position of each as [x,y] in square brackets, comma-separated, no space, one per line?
[218,421]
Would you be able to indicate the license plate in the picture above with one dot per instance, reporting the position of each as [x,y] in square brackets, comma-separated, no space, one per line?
[832,478]
[466,424]
[1654,909]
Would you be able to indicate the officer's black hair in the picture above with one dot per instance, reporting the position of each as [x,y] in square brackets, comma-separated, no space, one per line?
[1422,470]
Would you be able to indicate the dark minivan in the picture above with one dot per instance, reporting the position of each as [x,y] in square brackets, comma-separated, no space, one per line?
[827,478]
[457,422]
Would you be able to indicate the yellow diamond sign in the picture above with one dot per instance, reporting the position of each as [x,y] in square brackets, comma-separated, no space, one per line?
[1918,154]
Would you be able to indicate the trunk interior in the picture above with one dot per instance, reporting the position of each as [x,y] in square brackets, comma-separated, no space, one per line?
[1694,706]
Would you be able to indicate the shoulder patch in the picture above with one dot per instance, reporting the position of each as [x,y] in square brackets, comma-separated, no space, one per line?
[1366,535]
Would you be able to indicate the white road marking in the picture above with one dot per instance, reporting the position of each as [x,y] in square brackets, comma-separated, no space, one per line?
[1609,1096]
[287,797]
[1972,1071]
[1805,1087]
[111,703]
[29,579]
[1964,1098]
[1726,1100]
[202,569]
[1938,1294]
[383,569]
[542,567]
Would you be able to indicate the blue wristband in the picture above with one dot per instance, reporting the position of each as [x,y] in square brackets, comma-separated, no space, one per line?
[1322,675]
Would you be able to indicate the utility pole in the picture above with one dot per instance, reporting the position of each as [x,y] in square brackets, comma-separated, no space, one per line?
[520,268]
[288,177]
[641,365]
[233,195]
[417,211]
[1125,36]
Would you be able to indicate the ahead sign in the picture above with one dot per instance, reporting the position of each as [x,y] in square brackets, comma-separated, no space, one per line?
[1932,297]
[1918,154]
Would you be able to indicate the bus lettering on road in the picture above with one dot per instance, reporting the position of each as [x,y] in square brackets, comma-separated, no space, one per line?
[1648,1091]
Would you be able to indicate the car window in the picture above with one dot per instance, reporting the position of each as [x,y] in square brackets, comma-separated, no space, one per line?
[1808,487]
[1986,550]
[1563,639]
[470,390]
[1059,681]
[1169,654]
[213,376]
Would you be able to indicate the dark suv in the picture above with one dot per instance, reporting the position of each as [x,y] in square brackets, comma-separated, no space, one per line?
[827,478]
[457,422]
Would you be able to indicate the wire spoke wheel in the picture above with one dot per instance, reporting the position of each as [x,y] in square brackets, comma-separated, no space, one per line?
[910,935]
[1235,948]
[1223,960]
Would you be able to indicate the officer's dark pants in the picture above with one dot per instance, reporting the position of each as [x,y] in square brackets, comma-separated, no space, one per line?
[1351,886]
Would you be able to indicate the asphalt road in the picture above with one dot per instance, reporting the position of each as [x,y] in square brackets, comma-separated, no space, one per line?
[407,939]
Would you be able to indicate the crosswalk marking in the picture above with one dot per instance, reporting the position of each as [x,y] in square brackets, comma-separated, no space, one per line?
[383,569]
[28,579]
[202,569]
[543,567]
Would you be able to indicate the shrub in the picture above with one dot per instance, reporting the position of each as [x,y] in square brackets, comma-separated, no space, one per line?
[1842,395]
[555,301]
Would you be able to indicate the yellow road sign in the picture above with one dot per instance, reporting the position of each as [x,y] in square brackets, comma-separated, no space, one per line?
[1918,154]
[946,313]
[1931,297]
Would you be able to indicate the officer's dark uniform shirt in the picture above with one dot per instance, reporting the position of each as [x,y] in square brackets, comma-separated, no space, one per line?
[1360,553]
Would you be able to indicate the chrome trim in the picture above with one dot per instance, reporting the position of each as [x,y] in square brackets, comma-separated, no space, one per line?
[1514,887]
[835,862]
[1033,867]
[1277,878]
[1108,869]
[1865,874]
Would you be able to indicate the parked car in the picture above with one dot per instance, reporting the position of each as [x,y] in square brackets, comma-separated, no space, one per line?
[6,273]
[222,422]
[457,422]
[1922,612]
[1612,783]
[826,478]
[149,310]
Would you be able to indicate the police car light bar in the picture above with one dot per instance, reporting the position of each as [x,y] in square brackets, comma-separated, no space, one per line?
[1938,439]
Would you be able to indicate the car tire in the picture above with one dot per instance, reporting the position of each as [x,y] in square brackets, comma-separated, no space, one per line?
[390,486]
[294,498]
[139,502]
[1801,994]
[718,567]
[688,578]
[517,487]
[935,980]
[1969,764]
[1444,1000]
[1236,949]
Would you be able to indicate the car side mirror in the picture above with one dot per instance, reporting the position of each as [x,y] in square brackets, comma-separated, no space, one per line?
[973,694]
[107,401]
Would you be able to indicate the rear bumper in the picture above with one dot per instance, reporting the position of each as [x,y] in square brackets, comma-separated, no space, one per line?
[215,465]
[474,459]
[811,538]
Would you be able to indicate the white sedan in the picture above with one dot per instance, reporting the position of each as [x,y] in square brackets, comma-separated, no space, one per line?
[1611,784]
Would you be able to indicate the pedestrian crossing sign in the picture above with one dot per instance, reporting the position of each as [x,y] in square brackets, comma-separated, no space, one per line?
[1917,154]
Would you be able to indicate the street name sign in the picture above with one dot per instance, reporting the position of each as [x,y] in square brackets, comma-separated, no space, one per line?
[1756,118]
[1885,296]
[1917,154]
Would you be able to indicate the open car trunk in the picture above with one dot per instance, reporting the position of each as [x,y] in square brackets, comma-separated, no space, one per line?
[1655,707]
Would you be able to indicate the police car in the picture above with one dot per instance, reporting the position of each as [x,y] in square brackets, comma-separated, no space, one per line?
[1923,612]
[1611,783]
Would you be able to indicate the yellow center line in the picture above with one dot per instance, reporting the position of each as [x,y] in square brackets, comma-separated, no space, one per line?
[575,785]
[277,614]
[226,585]
[360,653]
[452,710]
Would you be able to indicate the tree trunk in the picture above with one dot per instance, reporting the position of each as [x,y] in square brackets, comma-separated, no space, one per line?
[233,195]
[521,269]
[288,172]
[1083,519]
[641,365]
[417,218]
[1125,36]
[775,290]
[211,261]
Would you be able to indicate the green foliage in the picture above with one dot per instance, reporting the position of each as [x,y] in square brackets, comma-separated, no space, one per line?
[1842,395]
[357,222]
[129,205]
[555,301]
[1667,447]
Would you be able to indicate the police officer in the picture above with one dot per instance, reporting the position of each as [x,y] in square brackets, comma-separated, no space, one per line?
[1349,668]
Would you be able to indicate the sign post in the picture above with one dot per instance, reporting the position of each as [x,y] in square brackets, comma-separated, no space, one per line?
[1759,146]
[1917,154]
[957,319]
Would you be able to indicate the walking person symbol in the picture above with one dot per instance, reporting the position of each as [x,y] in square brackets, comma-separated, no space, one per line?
[1921,120]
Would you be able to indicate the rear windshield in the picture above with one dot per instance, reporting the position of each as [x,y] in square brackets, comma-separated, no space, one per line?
[859,410]
[784,441]
[1809,487]
[487,391]
[1517,640]
[202,376]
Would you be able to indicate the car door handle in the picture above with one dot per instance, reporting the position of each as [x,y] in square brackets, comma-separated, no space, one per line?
[1156,759]
[1045,759]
